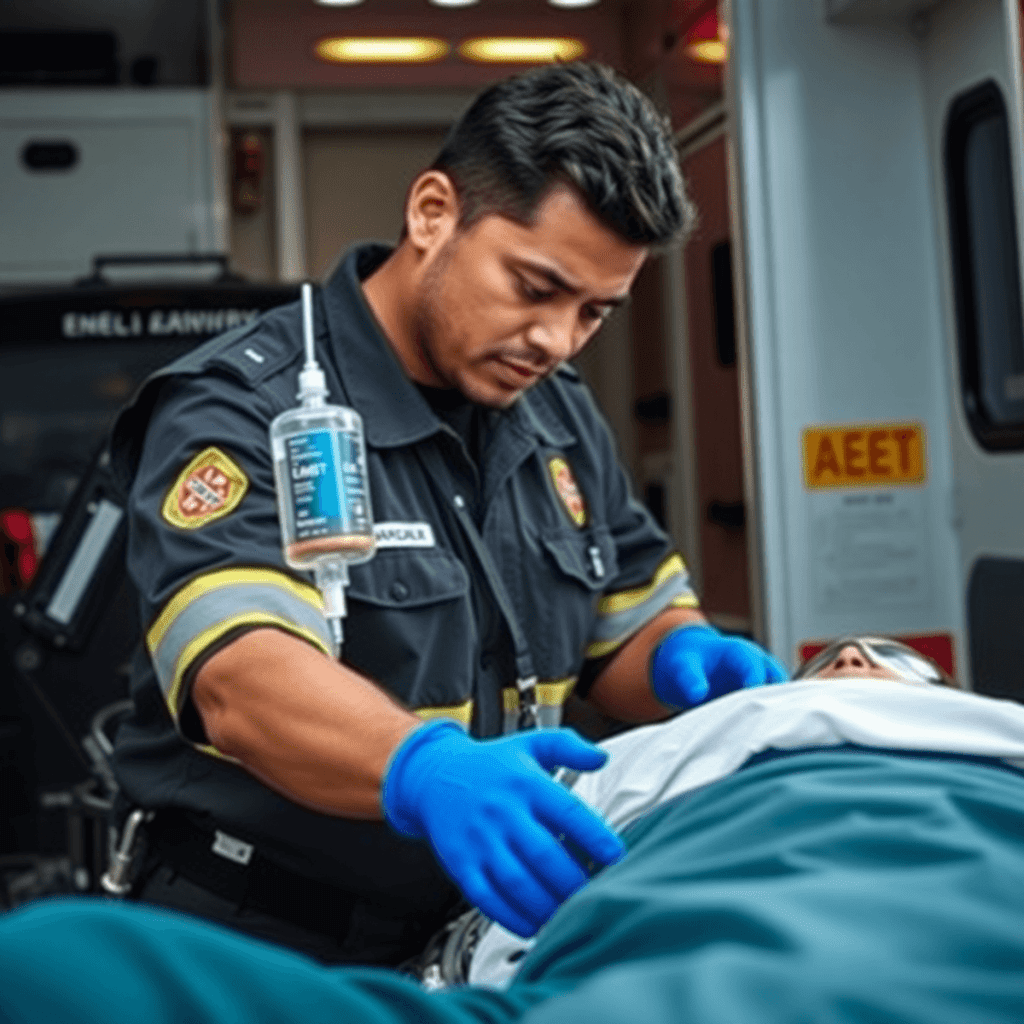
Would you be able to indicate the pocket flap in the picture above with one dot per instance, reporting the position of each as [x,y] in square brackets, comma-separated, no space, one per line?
[587,557]
[408,578]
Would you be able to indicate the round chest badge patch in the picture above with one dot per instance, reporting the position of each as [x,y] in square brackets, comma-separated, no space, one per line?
[209,487]
[568,490]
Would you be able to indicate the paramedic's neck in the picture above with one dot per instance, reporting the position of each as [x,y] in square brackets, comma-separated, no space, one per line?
[389,293]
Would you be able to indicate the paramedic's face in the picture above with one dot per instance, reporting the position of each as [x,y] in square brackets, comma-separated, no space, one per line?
[850,662]
[503,303]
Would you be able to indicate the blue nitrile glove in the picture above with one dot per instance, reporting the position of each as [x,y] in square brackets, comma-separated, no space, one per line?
[694,664]
[495,818]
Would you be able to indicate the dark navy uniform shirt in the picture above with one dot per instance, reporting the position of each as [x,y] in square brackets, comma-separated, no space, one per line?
[523,562]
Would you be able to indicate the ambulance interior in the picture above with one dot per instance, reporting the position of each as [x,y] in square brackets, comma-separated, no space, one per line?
[821,396]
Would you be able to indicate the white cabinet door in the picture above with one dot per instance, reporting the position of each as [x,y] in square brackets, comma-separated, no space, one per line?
[133,181]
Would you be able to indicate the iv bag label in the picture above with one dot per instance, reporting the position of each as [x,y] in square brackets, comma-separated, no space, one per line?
[326,484]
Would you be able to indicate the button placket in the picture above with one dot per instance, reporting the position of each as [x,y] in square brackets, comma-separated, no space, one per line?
[439,478]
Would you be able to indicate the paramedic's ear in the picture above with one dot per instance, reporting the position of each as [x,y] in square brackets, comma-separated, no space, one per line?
[431,212]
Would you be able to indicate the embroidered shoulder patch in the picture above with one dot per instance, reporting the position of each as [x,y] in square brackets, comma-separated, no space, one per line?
[568,490]
[209,487]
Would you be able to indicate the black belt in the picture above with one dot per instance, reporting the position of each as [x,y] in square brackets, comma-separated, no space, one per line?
[260,884]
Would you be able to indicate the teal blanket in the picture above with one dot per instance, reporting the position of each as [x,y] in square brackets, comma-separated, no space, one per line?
[828,886]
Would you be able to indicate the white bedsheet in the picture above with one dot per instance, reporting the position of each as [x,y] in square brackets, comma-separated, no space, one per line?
[655,763]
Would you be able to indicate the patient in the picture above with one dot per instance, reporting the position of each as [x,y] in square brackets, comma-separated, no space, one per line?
[649,766]
[874,657]
[844,847]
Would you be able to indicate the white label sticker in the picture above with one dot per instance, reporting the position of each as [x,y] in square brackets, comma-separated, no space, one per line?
[870,551]
[404,535]
[234,849]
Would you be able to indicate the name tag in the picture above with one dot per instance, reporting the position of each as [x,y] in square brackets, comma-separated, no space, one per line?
[404,535]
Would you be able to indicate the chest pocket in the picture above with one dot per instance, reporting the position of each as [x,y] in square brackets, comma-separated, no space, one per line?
[578,566]
[410,626]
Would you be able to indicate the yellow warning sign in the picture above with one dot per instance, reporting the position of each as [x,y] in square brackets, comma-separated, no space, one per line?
[865,455]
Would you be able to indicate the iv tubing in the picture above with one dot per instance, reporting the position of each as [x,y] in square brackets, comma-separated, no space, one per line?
[331,580]
[307,324]
[312,384]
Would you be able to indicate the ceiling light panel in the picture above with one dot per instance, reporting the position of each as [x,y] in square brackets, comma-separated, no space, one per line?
[381,49]
[522,49]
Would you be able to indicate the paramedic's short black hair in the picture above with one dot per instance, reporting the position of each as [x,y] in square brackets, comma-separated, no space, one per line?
[579,124]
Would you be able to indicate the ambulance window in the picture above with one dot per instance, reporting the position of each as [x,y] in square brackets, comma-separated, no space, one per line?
[986,271]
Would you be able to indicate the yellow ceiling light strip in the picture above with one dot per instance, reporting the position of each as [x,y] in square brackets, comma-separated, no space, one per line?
[521,50]
[381,49]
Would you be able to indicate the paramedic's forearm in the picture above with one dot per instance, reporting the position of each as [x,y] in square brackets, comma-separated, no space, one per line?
[310,728]
[623,689]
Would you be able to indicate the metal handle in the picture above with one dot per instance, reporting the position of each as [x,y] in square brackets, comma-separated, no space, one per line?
[116,880]
[157,259]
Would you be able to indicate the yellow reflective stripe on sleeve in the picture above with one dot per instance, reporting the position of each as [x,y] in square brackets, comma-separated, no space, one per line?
[603,647]
[212,751]
[611,604]
[600,648]
[210,636]
[211,581]
[550,692]
[555,692]
[459,712]
[620,615]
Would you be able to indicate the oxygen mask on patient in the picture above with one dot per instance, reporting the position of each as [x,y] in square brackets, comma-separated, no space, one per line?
[874,656]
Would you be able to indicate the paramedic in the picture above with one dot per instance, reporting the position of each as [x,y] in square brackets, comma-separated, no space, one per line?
[512,565]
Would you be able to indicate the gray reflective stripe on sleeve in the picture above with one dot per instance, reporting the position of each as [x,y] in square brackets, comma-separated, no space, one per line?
[211,614]
[611,630]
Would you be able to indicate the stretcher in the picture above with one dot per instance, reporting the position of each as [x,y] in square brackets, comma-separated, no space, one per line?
[865,862]
[651,766]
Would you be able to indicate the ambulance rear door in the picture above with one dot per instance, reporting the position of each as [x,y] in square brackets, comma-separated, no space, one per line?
[873,498]
[971,62]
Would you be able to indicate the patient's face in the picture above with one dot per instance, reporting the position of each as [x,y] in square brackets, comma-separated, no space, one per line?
[874,657]
[850,662]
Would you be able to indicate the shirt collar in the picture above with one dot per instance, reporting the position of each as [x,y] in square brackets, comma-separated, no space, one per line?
[394,412]
[535,415]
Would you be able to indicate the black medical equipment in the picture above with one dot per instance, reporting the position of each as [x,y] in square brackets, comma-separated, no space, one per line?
[69,358]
